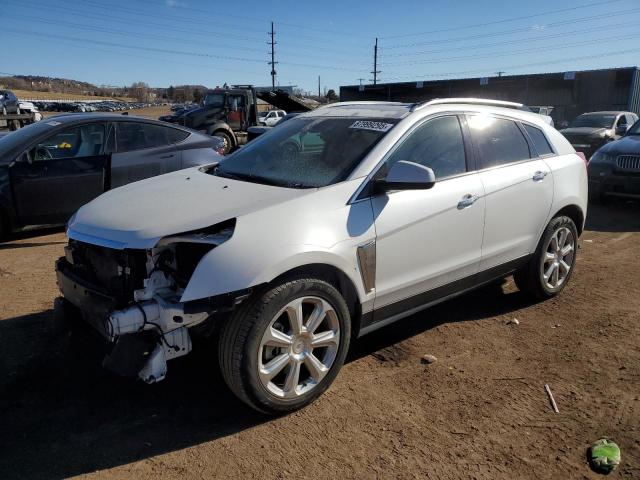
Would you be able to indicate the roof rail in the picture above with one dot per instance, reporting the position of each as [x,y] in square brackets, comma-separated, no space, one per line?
[360,102]
[468,101]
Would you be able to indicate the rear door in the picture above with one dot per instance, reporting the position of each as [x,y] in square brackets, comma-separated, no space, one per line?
[518,186]
[142,150]
[57,176]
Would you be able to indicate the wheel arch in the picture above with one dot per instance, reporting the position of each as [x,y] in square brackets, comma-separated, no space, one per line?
[575,213]
[338,279]
[223,127]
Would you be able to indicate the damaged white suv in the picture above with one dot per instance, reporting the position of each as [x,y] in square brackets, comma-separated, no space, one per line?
[336,223]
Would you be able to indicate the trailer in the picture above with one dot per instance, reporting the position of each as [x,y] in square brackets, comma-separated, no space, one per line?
[15,121]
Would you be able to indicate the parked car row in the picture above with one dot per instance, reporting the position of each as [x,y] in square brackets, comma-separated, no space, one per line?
[101,106]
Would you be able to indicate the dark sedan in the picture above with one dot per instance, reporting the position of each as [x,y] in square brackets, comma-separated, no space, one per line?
[589,131]
[51,168]
[614,170]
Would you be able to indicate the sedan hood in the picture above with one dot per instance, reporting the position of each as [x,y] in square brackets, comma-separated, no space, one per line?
[584,131]
[139,214]
[629,145]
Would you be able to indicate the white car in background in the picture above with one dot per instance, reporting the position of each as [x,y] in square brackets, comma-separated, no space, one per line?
[271,117]
[29,107]
[285,255]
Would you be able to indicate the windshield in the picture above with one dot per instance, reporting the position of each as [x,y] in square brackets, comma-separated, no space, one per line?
[306,152]
[594,121]
[214,100]
[263,114]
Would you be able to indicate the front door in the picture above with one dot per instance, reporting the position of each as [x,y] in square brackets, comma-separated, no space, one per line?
[427,239]
[236,112]
[59,175]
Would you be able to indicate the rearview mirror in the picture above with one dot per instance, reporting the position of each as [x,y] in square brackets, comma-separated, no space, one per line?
[405,175]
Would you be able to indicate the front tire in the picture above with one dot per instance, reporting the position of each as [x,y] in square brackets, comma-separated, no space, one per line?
[226,138]
[283,349]
[548,271]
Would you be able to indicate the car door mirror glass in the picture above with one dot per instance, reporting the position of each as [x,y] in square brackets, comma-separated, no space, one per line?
[405,175]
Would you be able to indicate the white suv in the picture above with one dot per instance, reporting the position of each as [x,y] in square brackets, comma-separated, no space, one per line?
[339,222]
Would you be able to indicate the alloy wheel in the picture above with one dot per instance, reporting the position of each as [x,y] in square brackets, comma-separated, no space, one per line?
[558,258]
[298,347]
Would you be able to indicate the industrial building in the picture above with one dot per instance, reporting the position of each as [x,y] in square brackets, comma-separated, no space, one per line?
[568,93]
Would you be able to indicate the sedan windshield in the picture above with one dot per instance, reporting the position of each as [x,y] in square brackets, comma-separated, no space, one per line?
[594,121]
[306,152]
[635,129]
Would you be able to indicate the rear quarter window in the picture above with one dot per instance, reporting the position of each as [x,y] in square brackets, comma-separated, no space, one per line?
[539,140]
[176,136]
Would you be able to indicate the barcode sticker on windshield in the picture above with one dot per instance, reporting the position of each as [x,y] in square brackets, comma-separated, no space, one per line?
[375,126]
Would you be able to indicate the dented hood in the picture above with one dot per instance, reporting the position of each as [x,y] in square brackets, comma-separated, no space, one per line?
[139,214]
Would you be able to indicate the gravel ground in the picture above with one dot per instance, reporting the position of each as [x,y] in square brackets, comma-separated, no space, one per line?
[480,411]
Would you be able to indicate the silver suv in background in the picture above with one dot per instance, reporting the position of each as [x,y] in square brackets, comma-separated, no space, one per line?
[338,222]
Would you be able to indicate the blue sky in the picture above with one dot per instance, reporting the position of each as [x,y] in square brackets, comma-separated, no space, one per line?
[164,42]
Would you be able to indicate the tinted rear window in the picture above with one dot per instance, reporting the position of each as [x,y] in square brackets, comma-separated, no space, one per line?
[499,141]
[540,142]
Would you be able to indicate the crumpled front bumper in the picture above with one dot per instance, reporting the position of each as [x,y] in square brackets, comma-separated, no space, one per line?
[163,318]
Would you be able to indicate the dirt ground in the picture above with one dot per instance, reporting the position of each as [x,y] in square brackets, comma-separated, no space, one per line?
[479,412]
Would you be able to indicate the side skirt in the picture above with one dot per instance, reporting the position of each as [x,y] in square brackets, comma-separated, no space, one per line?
[388,314]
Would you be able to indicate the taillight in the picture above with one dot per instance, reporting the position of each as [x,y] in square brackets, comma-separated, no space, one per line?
[582,156]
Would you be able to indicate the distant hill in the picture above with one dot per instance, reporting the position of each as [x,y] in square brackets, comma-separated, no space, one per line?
[55,85]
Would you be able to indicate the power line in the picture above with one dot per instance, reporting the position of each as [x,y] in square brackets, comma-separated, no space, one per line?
[37,35]
[514,52]
[512,41]
[173,28]
[514,67]
[516,30]
[505,20]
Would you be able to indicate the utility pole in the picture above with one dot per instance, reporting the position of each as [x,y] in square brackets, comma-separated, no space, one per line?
[500,73]
[273,58]
[318,87]
[375,63]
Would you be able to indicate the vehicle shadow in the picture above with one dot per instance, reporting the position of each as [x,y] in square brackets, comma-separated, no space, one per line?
[63,415]
[27,234]
[616,216]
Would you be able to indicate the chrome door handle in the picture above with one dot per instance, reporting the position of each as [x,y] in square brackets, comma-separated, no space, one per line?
[539,176]
[167,156]
[467,201]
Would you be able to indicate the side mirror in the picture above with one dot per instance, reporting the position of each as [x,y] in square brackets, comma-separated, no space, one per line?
[621,129]
[405,175]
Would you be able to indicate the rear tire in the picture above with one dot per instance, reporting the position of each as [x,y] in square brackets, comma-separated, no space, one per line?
[548,271]
[276,363]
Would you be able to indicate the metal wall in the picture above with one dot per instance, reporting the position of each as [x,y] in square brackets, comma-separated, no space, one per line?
[570,93]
